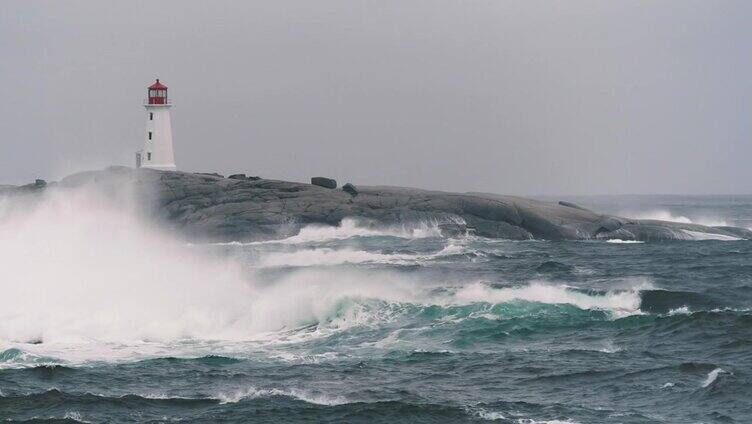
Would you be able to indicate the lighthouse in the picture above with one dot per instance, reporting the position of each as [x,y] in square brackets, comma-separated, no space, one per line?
[157,152]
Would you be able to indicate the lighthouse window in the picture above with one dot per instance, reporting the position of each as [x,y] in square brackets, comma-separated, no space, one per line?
[149,135]
[151,116]
[148,156]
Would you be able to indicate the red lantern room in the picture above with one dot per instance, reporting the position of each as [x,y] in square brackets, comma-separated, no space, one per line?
[158,93]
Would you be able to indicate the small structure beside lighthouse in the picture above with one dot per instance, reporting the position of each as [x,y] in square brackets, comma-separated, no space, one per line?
[157,152]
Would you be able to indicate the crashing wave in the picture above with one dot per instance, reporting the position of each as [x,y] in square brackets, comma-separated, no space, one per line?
[327,256]
[712,376]
[620,303]
[351,227]
[699,235]
[299,394]
[663,215]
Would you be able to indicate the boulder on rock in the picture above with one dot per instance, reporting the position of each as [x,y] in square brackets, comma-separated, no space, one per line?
[237,177]
[324,182]
[351,189]
[572,205]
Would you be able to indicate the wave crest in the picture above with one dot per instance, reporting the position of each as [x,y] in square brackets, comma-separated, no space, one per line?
[712,376]
[351,227]
[298,394]
[620,303]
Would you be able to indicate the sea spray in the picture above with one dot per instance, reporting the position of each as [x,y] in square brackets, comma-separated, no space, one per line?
[85,276]
[325,256]
[712,377]
[234,396]
[406,329]
[79,267]
[664,215]
[352,227]
[618,302]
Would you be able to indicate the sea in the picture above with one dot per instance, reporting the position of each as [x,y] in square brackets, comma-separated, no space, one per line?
[106,318]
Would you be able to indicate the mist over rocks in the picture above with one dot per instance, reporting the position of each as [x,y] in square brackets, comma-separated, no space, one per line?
[213,208]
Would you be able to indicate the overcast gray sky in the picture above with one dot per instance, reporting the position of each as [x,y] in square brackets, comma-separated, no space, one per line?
[525,97]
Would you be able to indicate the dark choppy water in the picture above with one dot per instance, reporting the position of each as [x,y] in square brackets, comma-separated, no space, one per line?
[351,325]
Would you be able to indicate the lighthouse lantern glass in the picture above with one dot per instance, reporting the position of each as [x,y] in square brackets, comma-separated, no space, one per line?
[158,97]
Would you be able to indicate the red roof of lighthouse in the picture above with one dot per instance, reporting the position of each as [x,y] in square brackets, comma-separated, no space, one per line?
[157,86]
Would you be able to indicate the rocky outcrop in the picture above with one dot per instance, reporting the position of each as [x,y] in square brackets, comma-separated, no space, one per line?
[324,182]
[350,189]
[571,205]
[210,207]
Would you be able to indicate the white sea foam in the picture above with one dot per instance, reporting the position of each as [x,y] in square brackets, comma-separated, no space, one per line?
[684,310]
[619,302]
[238,394]
[712,376]
[329,257]
[302,358]
[485,414]
[351,227]
[664,215]
[489,415]
[620,241]
[304,395]
[93,281]
[75,416]
[77,268]
[610,347]
[692,235]
[325,256]
[699,235]
[390,340]
[152,395]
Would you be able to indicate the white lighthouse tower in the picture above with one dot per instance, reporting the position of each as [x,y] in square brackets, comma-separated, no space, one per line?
[157,152]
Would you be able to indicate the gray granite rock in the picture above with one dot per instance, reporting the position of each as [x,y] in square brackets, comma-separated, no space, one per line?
[324,182]
[350,189]
[210,207]
[571,205]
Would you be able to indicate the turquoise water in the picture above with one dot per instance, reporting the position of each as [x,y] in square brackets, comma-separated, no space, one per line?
[398,325]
